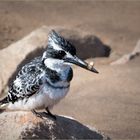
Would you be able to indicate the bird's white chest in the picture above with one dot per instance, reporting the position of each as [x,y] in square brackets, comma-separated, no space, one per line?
[46,97]
[53,93]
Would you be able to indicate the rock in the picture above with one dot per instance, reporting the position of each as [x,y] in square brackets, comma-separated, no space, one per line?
[124,59]
[127,57]
[25,125]
[16,55]
[136,50]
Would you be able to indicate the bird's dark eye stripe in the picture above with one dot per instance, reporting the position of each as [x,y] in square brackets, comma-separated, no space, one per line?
[62,53]
[71,50]
[59,54]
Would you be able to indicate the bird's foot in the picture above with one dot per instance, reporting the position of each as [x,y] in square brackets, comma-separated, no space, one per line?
[44,114]
[51,116]
[48,113]
[37,114]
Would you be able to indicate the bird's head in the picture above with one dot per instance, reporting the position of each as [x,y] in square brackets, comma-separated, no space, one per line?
[62,51]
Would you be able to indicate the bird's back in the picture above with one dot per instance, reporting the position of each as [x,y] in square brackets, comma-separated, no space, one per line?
[26,82]
[35,78]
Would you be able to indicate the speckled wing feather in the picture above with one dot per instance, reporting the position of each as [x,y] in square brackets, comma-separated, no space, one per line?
[27,82]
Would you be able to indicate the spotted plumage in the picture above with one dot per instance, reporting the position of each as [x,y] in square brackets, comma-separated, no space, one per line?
[45,80]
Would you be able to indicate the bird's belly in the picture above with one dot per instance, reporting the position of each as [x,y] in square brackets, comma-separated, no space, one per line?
[46,97]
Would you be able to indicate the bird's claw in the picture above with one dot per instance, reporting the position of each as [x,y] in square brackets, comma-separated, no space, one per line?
[44,114]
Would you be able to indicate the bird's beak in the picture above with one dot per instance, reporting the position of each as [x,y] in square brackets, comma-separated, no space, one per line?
[75,60]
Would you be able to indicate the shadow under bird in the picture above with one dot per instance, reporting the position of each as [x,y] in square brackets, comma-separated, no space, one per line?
[44,81]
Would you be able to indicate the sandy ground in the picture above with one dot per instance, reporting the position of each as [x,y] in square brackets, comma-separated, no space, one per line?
[109,101]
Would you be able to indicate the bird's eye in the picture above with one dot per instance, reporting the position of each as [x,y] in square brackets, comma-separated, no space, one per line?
[62,53]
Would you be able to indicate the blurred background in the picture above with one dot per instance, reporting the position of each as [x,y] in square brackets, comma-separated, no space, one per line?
[106,32]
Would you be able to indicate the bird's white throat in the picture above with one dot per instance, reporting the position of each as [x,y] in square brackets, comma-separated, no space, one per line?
[59,66]
[56,64]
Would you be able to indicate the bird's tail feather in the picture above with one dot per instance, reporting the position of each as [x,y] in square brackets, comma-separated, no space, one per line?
[3,103]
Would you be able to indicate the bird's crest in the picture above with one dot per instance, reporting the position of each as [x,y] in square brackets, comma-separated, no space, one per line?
[55,39]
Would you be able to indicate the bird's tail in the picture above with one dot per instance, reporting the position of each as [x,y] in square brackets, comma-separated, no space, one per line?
[4,102]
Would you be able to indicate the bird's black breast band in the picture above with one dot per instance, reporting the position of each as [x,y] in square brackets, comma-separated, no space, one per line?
[57,87]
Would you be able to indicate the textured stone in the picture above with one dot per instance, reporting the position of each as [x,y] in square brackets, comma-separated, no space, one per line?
[25,125]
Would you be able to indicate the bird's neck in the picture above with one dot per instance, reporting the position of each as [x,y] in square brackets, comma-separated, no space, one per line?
[55,64]
[63,70]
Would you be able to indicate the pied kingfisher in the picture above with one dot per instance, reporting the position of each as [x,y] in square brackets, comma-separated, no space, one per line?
[44,81]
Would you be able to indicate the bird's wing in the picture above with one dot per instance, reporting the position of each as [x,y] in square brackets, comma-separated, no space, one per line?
[27,82]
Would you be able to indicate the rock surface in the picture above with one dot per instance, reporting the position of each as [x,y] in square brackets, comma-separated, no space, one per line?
[25,125]
[16,55]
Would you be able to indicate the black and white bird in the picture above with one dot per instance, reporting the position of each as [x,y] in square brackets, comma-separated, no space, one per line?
[44,81]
